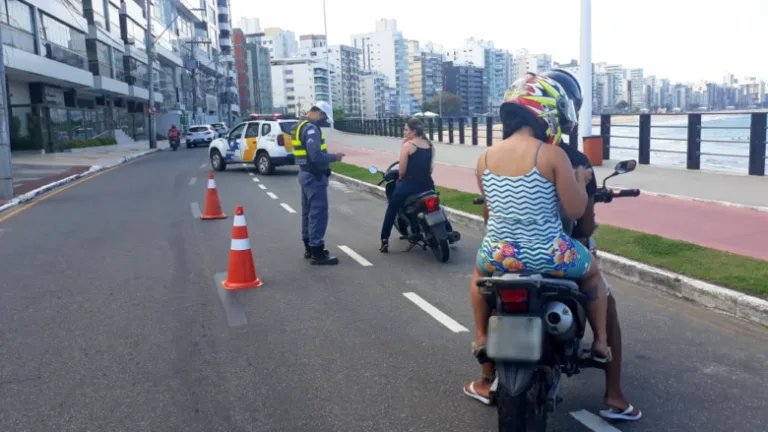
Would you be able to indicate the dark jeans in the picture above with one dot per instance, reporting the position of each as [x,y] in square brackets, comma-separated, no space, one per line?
[399,195]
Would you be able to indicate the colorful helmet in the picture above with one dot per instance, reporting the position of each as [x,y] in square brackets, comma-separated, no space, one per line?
[543,99]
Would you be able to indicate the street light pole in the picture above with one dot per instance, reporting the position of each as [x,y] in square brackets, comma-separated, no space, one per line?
[585,69]
[6,177]
[151,60]
[327,60]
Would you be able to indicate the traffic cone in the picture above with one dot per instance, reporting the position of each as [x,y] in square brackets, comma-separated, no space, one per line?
[212,204]
[241,273]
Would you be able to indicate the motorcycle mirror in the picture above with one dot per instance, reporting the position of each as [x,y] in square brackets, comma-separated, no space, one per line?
[626,166]
[373,170]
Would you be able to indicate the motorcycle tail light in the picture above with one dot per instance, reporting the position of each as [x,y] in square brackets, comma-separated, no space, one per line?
[431,204]
[514,299]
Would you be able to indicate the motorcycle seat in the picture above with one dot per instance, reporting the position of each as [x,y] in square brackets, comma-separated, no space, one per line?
[511,280]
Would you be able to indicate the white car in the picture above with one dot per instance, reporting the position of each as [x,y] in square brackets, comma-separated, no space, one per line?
[264,141]
[199,134]
[220,128]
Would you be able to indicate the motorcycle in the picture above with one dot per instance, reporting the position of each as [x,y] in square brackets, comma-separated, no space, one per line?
[174,142]
[422,220]
[536,335]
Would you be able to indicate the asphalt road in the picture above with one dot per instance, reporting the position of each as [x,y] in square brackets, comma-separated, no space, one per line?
[111,320]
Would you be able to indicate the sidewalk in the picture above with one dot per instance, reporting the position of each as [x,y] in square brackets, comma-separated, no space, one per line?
[32,170]
[737,230]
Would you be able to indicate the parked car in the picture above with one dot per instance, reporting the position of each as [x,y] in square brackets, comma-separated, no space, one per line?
[199,134]
[220,129]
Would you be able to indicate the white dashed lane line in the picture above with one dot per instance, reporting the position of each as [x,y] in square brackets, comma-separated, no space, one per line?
[435,313]
[355,256]
[593,422]
[203,165]
[271,195]
[287,208]
[262,187]
[256,179]
[192,181]
[251,174]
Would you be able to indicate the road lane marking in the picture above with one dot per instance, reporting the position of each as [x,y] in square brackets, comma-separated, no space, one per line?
[436,313]
[251,174]
[195,208]
[255,179]
[233,307]
[192,181]
[287,208]
[593,422]
[55,192]
[356,256]
[203,165]
[262,187]
[271,195]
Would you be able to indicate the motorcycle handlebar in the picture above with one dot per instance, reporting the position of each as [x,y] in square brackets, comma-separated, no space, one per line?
[607,195]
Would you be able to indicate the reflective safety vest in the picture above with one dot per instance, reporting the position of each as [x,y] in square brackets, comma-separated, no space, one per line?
[299,151]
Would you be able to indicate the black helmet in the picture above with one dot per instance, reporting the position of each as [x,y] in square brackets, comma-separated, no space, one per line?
[572,88]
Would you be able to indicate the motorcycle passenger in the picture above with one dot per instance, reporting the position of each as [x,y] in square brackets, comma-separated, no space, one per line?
[416,163]
[618,405]
[524,181]
[173,132]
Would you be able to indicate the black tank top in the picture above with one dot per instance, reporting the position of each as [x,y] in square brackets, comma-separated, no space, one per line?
[419,166]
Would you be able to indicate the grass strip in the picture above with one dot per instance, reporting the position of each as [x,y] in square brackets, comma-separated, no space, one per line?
[741,273]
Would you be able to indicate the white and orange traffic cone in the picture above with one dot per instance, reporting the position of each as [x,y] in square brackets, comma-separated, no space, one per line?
[241,273]
[212,208]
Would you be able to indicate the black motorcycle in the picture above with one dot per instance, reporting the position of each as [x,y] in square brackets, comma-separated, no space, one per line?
[422,220]
[535,336]
[175,143]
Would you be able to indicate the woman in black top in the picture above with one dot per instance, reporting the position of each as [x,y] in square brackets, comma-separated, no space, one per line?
[415,166]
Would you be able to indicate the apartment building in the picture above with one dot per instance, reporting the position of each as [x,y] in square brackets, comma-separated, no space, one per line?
[79,69]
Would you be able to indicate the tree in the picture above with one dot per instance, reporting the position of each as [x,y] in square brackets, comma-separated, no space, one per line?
[339,114]
[622,105]
[451,105]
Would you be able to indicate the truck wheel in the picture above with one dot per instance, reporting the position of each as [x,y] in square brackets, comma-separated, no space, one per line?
[217,162]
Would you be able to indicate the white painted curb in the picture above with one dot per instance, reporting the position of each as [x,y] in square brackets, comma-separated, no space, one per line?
[21,199]
[725,300]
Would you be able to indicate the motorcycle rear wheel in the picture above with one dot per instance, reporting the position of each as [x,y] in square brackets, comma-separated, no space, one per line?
[524,412]
[441,249]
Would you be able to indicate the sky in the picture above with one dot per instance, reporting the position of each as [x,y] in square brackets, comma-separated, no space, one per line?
[683,40]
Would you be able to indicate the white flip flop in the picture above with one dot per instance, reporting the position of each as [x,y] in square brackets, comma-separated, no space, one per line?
[473,394]
[626,415]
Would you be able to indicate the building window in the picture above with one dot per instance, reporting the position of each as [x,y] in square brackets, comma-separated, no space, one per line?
[118,66]
[96,8]
[99,58]
[17,25]
[136,34]
[62,43]
[138,73]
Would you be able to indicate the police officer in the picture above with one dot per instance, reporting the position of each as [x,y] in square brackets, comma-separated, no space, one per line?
[313,159]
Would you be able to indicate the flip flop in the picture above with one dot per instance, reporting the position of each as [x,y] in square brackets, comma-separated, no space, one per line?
[608,357]
[473,394]
[626,415]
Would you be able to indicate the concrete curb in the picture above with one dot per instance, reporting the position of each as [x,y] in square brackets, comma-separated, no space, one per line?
[21,199]
[715,297]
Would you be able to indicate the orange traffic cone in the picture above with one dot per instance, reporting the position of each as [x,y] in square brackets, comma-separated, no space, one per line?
[212,204]
[241,273]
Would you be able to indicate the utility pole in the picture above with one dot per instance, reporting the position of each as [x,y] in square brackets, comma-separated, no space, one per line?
[585,70]
[193,45]
[327,61]
[216,84]
[151,60]
[6,178]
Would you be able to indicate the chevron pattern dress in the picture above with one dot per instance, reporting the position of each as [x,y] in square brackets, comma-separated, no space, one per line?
[524,228]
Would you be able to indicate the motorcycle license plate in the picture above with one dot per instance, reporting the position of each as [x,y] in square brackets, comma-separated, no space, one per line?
[435,218]
[515,338]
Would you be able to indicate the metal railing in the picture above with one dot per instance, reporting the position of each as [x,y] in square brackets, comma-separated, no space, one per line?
[725,141]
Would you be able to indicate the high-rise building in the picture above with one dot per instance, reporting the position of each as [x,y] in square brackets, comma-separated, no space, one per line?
[634,87]
[374,95]
[425,73]
[250,25]
[385,50]
[467,83]
[254,73]
[297,83]
[526,62]
[495,63]
[345,85]
[281,43]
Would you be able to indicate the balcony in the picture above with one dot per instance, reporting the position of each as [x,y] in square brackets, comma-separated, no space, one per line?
[224,25]
[60,67]
[103,36]
[133,10]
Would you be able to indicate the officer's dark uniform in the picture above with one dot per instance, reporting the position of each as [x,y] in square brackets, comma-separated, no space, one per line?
[313,159]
